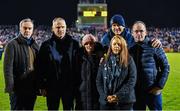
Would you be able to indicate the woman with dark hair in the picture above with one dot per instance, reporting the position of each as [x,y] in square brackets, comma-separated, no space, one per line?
[117,77]
[92,52]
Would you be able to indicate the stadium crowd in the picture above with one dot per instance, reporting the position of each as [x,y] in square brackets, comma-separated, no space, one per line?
[170,37]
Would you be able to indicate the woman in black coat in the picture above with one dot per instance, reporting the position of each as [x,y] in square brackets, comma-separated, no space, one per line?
[117,77]
[92,52]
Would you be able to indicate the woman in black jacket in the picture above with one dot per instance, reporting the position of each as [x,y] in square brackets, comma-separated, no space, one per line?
[117,77]
[92,52]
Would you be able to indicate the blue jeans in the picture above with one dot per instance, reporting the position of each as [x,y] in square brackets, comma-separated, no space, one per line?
[22,102]
[154,102]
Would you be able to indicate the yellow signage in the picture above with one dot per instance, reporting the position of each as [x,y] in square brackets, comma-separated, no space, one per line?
[104,13]
[94,13]
[89,13]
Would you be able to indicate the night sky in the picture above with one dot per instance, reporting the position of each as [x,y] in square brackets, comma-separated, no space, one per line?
[159,13]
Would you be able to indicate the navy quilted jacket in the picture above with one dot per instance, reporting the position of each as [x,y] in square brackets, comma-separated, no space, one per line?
[152,65]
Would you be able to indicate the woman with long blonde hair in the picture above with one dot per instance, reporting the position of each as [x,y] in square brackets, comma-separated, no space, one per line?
[117,77]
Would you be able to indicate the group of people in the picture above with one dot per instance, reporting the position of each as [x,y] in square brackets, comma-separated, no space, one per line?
[125,71]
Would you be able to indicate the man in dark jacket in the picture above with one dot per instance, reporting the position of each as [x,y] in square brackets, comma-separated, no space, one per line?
[58,68]
[118,27]
[19,74]
[152,70]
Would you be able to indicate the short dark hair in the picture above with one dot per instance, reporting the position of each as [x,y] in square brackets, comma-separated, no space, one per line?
[137,22]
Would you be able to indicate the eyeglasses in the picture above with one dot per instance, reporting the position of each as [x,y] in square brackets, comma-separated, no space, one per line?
[136,31]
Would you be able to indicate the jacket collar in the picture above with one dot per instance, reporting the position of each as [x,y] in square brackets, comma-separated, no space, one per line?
[145,41]
[66,37]
[22,40]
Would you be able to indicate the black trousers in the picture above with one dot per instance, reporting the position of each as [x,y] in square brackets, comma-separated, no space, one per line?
[120,106]
[90,106]
[22,101]
[53,101]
